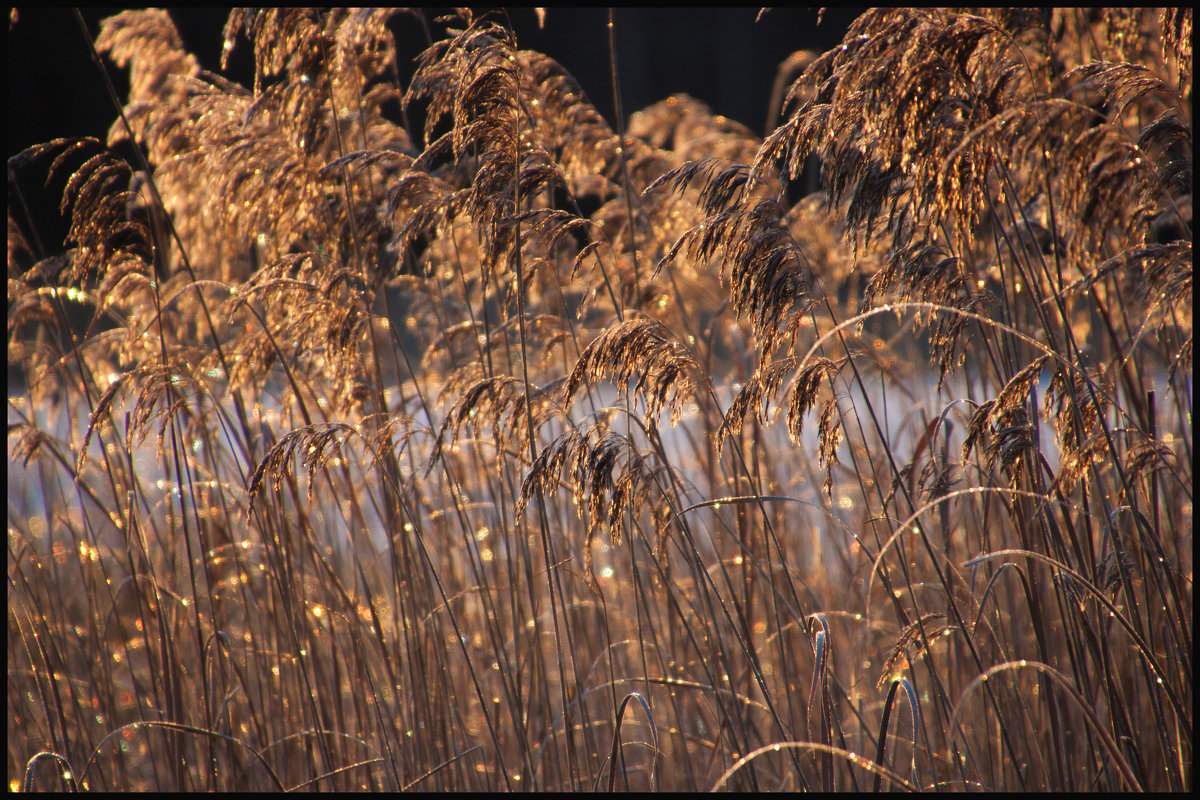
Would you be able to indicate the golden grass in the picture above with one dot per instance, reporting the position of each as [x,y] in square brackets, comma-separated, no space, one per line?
[443,437]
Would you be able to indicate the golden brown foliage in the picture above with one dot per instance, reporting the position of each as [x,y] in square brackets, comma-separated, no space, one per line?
[404,351]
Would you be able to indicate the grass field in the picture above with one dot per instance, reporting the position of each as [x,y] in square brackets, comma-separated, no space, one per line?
[453,436]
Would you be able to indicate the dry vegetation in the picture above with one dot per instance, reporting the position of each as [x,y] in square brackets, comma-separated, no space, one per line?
[443,436]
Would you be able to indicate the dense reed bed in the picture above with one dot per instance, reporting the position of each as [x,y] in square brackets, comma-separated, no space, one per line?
[451,436]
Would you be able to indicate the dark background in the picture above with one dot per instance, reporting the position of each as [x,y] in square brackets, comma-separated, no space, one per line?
[719,55]
[726,57]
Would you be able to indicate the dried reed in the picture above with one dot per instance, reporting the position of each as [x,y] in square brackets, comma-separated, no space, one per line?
[320,414]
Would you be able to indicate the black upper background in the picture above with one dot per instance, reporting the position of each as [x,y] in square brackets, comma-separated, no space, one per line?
[721,56]
[724,57]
